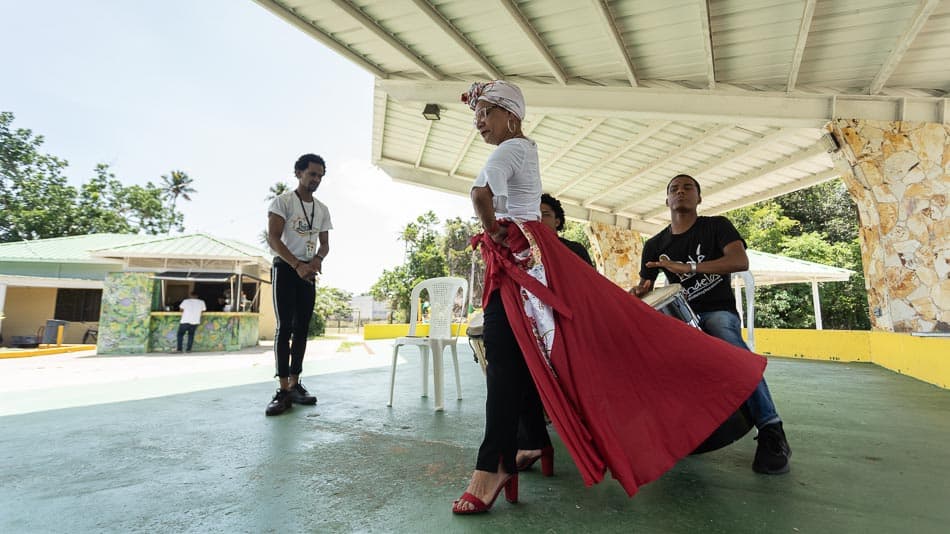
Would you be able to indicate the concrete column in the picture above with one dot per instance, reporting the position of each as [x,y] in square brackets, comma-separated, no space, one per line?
[617,253]
[899,175]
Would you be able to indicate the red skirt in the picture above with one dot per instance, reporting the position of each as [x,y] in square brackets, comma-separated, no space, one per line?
[628,389]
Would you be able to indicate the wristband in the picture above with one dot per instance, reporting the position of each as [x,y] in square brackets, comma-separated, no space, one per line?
[692,266]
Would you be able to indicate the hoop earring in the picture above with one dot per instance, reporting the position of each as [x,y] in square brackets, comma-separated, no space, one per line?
[510,128]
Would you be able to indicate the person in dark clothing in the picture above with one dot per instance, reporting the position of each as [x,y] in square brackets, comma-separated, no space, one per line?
[701,253]
[552,215]
[298,230]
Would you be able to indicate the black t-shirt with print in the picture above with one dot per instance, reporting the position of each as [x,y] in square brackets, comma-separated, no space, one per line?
[704,241]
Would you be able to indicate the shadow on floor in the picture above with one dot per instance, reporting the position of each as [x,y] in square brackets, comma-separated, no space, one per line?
[869,456]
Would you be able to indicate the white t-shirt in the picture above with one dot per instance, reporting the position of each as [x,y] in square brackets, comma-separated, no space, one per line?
[302,240]
[191,310]
[512,173]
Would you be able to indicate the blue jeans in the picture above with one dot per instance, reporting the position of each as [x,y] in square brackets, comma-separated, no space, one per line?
[726,326]
[186,328]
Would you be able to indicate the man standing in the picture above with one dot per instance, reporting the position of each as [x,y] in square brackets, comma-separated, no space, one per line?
[298,232]
[701,253]
[191,309]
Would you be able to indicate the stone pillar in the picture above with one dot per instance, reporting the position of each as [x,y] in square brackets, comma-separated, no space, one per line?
[617,252]
[899,175]
[125,316]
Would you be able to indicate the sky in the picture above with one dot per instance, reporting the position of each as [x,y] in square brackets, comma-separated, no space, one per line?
[222,90]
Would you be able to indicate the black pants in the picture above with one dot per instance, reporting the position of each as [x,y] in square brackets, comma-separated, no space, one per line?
[186,328]
[293,304]
[512,396]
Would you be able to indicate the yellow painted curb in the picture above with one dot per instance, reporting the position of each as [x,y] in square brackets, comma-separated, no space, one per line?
[48,351]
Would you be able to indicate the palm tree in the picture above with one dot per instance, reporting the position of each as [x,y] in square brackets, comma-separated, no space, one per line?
[178,184]
[279,188]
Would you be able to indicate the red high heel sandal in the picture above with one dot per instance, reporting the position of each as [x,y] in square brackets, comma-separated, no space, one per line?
[510,486]
[547,462]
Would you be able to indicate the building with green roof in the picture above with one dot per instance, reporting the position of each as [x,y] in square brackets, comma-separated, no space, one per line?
[124,290]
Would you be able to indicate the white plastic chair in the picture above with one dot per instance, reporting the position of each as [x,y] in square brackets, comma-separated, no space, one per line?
[442,297]
[749,283]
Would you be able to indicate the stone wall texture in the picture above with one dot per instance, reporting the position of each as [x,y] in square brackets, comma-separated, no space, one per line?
[899,176]
[617,252]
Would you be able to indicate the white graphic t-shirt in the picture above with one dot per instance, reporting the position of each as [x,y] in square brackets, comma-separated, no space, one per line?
[299,235]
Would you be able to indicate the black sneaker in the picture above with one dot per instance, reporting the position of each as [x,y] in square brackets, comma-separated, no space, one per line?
[773,452]
[300,395]
[279,404]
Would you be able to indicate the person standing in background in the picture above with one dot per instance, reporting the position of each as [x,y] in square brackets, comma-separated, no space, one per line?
[191,309]
[298,228]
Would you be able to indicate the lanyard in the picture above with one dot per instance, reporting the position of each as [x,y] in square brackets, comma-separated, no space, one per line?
[312,211]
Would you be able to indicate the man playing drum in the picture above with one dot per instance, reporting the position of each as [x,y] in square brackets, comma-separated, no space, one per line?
[700,253]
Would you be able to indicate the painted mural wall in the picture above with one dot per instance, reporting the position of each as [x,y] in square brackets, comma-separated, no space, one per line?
[124,319]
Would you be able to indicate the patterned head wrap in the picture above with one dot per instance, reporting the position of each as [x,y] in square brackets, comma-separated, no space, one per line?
[498,92]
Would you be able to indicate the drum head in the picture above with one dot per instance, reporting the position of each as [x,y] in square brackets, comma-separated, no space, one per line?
[661,295]
[475,324]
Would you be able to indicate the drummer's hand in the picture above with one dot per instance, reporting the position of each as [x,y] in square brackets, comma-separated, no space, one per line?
[500,236]
[677,267]
[642,288]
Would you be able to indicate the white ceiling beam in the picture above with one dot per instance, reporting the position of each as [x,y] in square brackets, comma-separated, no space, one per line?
[373,27]
[775,109]
[679,151]
[572,142]
[424,142]
[809,181]
[292,18]
[535,39]
[698,172]
[603,11]
[803,29]
[463,151]
[406,172]
[917,22]
[640,137]
[380,116]
[708,48]
[531,125]
[792,159]
[453,33]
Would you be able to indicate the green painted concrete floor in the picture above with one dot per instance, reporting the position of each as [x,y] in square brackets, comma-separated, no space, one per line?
[180,444]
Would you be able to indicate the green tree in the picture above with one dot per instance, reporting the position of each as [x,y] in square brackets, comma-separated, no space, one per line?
[425,257]
[768,227]
[279,188]
[763,226]
[105,205]
[36,201]
[459,255]
[825,208]
[329,303]
[574,231]
[177,184]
